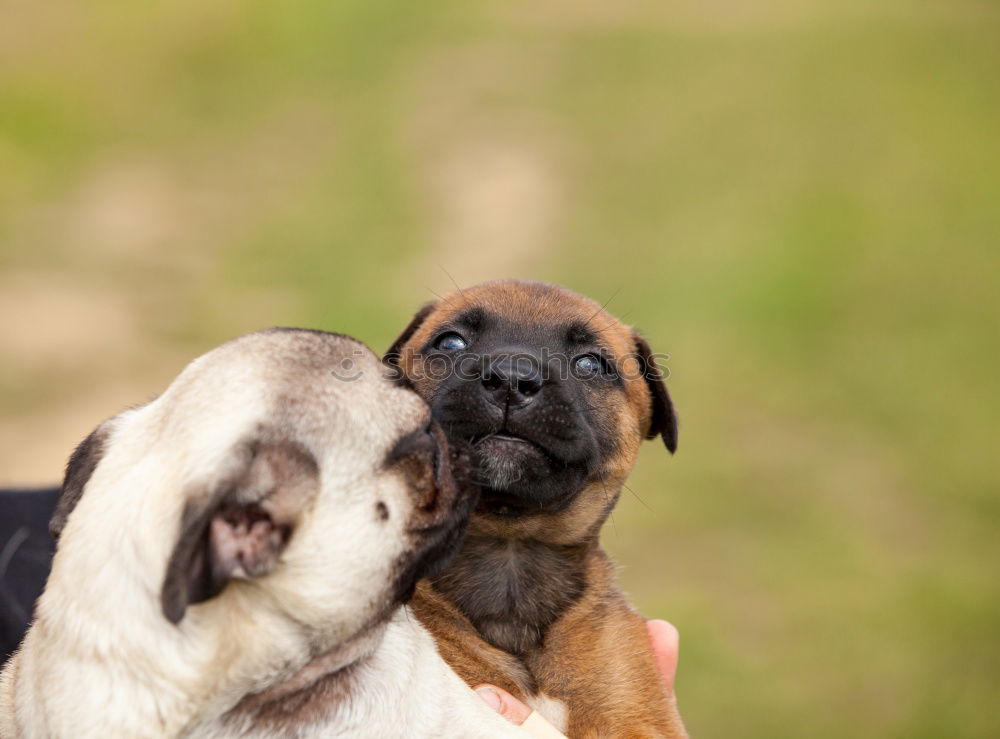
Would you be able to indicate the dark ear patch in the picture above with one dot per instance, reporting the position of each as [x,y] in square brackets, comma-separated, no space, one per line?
[394,353]
[241,529]
[80,467]
[663,419]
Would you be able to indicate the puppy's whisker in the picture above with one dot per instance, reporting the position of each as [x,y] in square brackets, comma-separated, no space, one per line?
[455,283]
[587,409]
[607,502]
[624,485]
[601,309]
[612,324]
[438,295]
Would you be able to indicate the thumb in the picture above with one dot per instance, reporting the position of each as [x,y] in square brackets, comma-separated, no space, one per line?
[503,703]
[666,645]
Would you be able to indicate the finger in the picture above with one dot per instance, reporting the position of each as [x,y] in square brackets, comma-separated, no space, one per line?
[666,647]
[504,703]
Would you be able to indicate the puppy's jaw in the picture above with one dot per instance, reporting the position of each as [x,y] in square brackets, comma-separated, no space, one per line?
[501,462]
[525,453]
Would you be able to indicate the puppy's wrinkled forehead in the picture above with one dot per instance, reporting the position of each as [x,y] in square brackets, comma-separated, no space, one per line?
[534,308]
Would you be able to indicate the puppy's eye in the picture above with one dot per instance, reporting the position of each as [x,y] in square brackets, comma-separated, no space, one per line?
[587,365]
[451,342]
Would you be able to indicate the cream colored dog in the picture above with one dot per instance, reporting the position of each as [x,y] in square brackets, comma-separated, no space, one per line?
[233,556]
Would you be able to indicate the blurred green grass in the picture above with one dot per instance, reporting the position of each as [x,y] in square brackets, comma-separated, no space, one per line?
[797,201]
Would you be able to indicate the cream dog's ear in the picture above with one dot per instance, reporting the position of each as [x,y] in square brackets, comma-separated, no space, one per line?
[80,467]
[240,527]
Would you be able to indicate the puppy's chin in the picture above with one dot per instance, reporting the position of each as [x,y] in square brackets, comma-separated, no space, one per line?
[518,478]
[504,461]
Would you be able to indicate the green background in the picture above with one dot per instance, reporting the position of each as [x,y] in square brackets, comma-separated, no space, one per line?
[798,201]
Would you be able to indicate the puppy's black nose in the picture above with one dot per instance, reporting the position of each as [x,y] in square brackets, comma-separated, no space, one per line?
[511,381]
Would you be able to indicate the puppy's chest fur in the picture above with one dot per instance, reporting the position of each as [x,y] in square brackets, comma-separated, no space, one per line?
[512,590]
[549,625]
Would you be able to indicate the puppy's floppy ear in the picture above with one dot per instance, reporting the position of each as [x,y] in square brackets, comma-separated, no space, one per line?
[663,419]
[395,352]
[239,528]
[80,467]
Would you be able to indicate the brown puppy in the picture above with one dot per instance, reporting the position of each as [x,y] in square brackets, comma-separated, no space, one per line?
[555,396]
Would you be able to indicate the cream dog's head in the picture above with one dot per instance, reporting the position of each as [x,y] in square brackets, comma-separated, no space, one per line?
[280,480]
